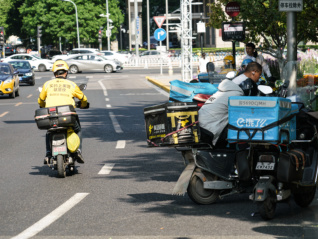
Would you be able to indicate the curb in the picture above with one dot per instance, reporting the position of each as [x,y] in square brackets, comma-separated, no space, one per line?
[157,83]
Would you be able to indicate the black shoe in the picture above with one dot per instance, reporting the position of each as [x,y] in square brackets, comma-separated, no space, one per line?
[79,157]
[47,158]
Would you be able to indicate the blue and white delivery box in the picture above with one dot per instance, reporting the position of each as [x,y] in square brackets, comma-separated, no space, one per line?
[261,119]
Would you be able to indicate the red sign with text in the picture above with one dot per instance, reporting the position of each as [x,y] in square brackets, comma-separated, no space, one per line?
[232,9]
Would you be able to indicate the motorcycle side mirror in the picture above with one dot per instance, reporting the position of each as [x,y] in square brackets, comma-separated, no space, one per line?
[265,89]
[230,75]
[82,86]
[40,89]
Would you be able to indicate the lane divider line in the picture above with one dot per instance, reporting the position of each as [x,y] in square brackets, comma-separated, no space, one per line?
[115,123]
[107,168]
[103,87]
[52,217]
[108,106]
[4,113]
[121,144]
[20,103]
[29,96]
[106,99]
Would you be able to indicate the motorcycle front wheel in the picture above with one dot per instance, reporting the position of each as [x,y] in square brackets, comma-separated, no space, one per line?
[200,195]
[61,173]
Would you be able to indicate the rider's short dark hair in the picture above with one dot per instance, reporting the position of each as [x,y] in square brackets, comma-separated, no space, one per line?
[59,72]
[250,44]
[254,66]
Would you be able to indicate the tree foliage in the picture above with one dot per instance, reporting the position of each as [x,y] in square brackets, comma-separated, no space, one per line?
[266,24]
[58,19]
[5,6]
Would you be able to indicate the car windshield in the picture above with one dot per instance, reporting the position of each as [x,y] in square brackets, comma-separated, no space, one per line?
[20,64]
[39,58]
[4,70]
[103,57]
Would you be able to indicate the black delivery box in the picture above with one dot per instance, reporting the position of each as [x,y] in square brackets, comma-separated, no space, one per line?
[172,124]
[58,116]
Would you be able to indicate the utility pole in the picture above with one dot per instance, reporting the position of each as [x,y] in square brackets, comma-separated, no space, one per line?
[39,35]
[2,42]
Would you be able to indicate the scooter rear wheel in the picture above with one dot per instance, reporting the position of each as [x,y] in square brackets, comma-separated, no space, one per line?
[268,206]
[61,173]
[200,195]
[303,199]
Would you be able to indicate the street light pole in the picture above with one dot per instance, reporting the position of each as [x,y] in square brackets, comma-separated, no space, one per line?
[108,35]
[78,38]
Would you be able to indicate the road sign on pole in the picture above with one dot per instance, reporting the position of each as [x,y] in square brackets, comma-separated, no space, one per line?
[159,20]
[160,34]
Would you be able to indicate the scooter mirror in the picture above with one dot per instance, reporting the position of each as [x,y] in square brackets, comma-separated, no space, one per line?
[82,86]
[230,75]
[265,89]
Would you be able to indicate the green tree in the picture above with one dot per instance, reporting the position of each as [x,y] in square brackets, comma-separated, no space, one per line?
[5,6]
[266,24]
[57,19]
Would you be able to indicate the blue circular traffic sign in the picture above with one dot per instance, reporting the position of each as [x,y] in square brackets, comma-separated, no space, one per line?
[160,34]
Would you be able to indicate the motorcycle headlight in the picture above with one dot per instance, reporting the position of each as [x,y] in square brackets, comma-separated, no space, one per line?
[8,80]
[29,74]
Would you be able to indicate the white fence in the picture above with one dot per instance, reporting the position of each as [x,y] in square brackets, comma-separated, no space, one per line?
[154,61]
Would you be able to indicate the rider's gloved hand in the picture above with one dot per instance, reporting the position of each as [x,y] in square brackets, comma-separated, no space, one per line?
[41,103]
[84,102]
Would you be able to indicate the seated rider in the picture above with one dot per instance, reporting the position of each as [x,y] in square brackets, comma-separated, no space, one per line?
[213,115]
[60,91]
[243,66]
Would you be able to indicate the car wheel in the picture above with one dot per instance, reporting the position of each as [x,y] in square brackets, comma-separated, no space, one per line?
[42,68]
[32,83]
[17,92]
[12,95]
[108,69]
[73,69]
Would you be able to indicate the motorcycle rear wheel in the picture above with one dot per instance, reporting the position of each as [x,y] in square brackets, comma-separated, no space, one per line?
[200,195]
[268,206]
[61,173]
[305,198]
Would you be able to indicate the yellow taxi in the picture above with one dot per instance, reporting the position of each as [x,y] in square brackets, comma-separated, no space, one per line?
[9,80]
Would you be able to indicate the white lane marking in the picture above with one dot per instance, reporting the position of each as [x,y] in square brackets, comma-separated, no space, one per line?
[89,77]
[107,99]
[108,106]
[29,96]
[72,77]
[121,144]
[141,94]
[38,77]
[115,123]
[4,113]
[107,168]
[103,87]
[17,104]
[52,217]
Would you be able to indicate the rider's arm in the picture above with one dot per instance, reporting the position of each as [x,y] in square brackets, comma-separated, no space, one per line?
[42,97]
[80,95]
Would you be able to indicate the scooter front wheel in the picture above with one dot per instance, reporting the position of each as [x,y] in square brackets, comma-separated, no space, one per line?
[61,173]
[200,195]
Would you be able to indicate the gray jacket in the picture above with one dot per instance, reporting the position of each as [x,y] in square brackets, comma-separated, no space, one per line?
[213,115]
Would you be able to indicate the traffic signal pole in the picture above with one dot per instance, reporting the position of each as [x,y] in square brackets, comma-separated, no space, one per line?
[2,42]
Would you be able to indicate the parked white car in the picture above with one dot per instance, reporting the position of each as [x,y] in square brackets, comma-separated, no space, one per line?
[75,51]
[83,62]
[35,61]
[112,55]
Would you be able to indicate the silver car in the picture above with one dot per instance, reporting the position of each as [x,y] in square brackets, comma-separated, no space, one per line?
[83,62]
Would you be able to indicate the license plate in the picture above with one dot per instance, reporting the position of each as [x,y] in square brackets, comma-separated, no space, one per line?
[265,166]
[59,149]
[20,78]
